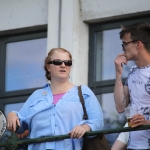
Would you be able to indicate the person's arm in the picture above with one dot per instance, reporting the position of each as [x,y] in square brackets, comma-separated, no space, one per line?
[118,145]
[94,112]
[18,118]
[121,94]
[93,109]
[121,141]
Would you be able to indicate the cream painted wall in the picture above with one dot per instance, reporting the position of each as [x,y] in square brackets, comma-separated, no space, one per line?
[73,36]
[16,14]
[97,10]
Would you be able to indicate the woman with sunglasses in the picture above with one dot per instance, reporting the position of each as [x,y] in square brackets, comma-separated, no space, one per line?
[56,109]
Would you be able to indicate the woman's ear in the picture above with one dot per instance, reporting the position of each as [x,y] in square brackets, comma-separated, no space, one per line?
[48,67]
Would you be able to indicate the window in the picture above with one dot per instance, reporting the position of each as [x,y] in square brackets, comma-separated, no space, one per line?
[104,46]
[24,64]
[21,68]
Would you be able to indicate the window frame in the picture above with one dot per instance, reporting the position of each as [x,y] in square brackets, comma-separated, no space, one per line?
[17,96]
[3,43]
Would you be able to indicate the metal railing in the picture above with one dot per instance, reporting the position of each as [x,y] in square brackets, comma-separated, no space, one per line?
[12,143]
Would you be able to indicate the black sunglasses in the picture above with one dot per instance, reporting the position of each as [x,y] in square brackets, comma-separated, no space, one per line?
[58,62]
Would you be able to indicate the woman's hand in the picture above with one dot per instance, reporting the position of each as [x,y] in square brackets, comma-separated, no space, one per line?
[12,121]
[79,131]
[138,120]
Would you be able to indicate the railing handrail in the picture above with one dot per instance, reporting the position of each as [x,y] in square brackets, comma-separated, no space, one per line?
[17,142]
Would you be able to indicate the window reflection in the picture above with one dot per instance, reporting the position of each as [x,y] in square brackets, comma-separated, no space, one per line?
[10,107]
[112,119]
[24,64]
[108,46]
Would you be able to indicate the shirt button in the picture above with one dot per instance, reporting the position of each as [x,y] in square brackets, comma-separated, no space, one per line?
[55,125]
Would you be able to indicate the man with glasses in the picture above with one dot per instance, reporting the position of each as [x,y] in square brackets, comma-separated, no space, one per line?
[136,46]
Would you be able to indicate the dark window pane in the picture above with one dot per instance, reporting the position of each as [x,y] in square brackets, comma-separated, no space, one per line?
[108,46]
[24,64]
[112,119]
[10,107]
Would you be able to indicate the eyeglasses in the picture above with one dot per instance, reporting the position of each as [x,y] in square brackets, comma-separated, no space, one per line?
[58,62]
[126,43]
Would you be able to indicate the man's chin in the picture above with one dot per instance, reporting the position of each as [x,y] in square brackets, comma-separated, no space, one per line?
[128,58]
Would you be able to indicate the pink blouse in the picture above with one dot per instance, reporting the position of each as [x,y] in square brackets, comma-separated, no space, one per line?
[57,97]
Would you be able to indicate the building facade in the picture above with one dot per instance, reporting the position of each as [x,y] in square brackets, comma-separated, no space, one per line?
[88,29]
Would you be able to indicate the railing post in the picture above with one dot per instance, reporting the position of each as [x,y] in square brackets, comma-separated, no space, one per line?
[11,142]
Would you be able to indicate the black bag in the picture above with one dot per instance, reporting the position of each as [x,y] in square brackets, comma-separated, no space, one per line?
[98,142]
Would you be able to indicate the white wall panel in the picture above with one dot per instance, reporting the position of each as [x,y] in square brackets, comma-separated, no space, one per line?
[22,13]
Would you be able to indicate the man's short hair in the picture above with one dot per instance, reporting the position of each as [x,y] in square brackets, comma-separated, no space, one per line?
[139,31]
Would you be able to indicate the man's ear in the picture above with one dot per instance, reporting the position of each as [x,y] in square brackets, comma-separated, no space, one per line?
[139,45]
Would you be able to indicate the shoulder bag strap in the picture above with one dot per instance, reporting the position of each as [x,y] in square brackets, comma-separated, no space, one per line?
[85,116]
